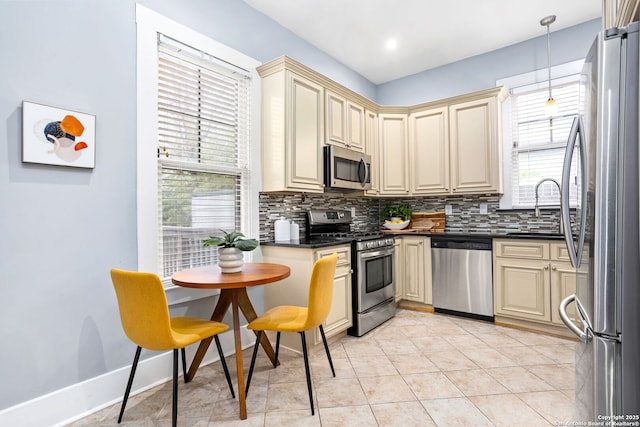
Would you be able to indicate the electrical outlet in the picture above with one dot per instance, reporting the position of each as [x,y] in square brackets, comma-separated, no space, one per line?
[483,208]
[448,210]
[353,212]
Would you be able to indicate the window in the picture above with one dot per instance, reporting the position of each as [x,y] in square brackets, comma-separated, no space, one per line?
[535,143]
[196,105]
[203,132]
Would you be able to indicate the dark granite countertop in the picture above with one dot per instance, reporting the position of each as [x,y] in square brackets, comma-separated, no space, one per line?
[312,244]
[309,244]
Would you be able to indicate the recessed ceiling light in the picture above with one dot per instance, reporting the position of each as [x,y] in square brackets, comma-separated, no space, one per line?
[392,44]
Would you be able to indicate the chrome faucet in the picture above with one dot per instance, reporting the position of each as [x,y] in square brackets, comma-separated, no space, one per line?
[536,211]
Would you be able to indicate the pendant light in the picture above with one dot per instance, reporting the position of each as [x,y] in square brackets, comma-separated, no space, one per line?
[551,109]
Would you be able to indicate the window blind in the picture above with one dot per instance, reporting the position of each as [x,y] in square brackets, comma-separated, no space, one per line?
[539,141]
[203,152]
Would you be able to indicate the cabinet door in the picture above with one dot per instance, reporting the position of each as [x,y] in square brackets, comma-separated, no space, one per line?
[340,316]
[372,149]
[398,266]
[305,135]
[475,147]
[563,284]
[414,268]
[522,288]
[335,119]
[429,151]
[394,176]
[355,127]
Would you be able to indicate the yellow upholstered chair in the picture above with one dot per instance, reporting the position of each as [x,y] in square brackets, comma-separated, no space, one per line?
[286,318]
[145,319]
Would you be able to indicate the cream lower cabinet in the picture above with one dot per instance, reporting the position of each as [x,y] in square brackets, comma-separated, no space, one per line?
[294,290]
[531,277]
[398,267]
[416,251]
[292,133]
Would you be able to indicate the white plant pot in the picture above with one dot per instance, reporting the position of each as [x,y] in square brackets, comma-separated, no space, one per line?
[230,260]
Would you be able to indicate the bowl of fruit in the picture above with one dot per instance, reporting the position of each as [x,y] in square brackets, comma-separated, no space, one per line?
[395,224]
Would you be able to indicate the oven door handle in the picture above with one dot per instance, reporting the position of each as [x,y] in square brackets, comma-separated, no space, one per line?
[375,254]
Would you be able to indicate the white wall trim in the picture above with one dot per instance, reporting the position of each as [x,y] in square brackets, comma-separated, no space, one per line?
[148,25]
[540,79]
[79,400]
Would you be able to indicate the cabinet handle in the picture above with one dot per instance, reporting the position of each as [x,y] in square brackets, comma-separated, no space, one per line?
[554,268]
[546,267]
[419,243]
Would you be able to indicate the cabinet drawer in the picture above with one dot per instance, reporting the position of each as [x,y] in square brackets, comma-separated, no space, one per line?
[513,248]
[344,254]
[559,252]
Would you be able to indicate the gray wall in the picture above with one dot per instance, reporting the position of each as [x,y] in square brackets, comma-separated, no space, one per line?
[482,71]
[63,228]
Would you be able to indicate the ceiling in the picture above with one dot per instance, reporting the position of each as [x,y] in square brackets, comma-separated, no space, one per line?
[429,33]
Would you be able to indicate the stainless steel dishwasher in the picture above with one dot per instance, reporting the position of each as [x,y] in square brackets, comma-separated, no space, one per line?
[462,276]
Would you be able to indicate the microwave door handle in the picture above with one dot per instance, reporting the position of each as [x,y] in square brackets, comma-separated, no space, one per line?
[363,165]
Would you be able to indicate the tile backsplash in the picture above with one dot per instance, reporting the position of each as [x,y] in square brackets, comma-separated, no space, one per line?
[465,212]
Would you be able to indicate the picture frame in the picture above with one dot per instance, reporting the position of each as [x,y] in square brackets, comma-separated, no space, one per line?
[58,136]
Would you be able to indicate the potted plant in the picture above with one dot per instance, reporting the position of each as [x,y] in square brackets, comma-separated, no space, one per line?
[230,248]
[394,213]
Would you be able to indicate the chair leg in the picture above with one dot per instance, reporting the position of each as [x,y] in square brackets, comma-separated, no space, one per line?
[224,365]
[130,382]
[174,411]
[306,368]
[253,362]
[184,365]
[275,359]
[326,348]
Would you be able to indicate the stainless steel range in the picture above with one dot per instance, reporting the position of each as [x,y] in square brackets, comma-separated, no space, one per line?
[372,263]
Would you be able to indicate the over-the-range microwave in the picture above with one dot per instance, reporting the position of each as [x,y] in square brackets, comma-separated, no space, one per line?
[346,169]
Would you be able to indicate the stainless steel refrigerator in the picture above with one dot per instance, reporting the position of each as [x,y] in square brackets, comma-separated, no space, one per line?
[603,232]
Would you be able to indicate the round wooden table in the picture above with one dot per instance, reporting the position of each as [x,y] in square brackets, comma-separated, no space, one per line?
[233,292]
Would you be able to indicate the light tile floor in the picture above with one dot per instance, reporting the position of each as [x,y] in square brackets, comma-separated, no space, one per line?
[418,369]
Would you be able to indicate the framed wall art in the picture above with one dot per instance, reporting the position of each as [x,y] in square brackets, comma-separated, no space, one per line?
[55,136]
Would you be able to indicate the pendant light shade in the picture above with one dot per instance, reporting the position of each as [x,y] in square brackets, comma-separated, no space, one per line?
[551,108]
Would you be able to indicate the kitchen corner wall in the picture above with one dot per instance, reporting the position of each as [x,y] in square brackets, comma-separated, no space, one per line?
[465,216]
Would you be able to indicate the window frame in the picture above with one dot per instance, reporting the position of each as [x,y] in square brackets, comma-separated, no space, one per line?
[539,78]
[149,24]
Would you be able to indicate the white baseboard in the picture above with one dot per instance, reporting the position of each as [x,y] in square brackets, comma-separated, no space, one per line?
[82,399]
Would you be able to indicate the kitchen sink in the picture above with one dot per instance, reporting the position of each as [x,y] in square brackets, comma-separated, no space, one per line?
[536,235]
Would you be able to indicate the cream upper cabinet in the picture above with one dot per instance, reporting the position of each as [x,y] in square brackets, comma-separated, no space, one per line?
[455,145]
[393,149]
[531,278]
[345,122]
[372,149]
[292,133]
[475,147]
[429,151]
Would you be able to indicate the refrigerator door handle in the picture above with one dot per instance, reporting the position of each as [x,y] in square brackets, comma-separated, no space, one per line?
[584,337]
[575,135]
